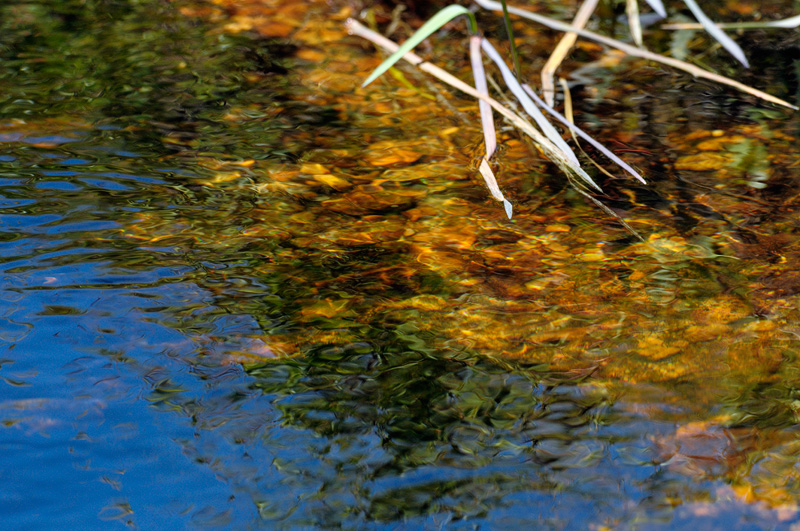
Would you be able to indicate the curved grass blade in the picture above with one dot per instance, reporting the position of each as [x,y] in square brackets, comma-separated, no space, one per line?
[636,52]
[437,21]
[709,25]
[578,131]
[632,11]
[530,107]
[487,123]
[487,120]
[488,176]
[658,7]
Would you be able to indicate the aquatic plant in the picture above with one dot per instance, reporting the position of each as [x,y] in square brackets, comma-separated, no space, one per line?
[544,134]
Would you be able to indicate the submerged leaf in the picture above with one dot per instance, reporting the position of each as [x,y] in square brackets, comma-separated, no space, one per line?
[437,21]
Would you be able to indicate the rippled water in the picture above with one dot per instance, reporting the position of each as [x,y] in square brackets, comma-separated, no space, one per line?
[201,327]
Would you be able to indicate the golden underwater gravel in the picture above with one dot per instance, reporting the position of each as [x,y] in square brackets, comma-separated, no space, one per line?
[560,284]
[556,291]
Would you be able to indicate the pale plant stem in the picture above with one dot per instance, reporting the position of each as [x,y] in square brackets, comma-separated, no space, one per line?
[721,37]
[487,121]
[634,24]
[575,130]
[787,23]
[562,48]
[636,52]
[546,146]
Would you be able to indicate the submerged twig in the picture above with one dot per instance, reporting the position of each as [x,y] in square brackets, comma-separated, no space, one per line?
[611,213]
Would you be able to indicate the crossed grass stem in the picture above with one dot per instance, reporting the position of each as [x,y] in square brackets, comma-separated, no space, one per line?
[546,138]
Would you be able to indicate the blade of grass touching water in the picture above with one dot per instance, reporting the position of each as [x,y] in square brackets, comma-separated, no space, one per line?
[494,189]
[546,146]
[621,163]
[487,120]
[709,25]
[636,52]
[487,123]
[571,119]
[658,7]
[530,107]
[632,11]
[534,112]
[437,21]
[561,50]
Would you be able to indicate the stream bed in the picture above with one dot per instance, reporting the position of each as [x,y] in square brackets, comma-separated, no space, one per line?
[237,291]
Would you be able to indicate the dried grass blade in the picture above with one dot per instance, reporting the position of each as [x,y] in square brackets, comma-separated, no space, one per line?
[709,25]
[658,7]
[527,104]
[546,146]
[787,23]
[491,182]
[571,119]
[487,120]
[574,128]
[632,11]
[637,52]
[561,50]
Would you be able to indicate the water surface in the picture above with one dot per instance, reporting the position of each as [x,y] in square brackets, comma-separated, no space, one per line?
[237,292]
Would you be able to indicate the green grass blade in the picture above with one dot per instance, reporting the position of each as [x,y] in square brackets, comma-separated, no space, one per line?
[437,21]
[510,32]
